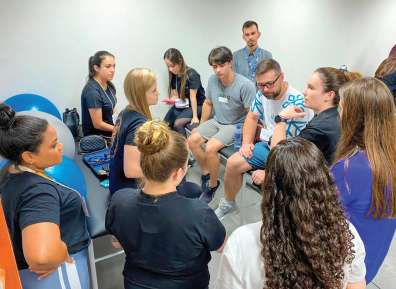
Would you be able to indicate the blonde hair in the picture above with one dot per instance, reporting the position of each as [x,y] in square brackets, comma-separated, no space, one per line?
[162,150]
[369,123]
[137,82]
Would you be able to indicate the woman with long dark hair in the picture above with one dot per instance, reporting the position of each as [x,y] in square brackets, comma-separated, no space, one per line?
[304,239]
[45,219]
[167,238]
[365,166]
[386,72]
[98,98]
[184,84]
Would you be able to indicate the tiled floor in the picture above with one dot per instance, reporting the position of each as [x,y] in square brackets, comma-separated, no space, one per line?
[110,271]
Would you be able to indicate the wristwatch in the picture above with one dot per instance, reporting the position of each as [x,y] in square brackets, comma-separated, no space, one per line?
[279,118]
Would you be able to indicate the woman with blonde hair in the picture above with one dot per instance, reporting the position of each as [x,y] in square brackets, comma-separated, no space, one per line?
[167,238]
[140,87]
[365,166]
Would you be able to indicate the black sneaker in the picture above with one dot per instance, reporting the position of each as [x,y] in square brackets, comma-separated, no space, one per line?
[209,194]
[204,182]
[191,161]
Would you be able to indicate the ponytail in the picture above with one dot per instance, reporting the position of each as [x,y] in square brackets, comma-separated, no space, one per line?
[91,70]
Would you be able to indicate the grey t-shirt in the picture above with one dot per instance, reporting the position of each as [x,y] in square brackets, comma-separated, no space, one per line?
[230,102]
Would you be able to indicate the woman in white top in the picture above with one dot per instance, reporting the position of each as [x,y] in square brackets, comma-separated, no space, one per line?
[304,240]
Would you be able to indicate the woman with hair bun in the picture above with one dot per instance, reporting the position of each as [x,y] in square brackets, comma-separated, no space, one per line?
[98,98]
[46,220]
[322,96]
[365,166]
[167,238]
[304,240]
[140,87]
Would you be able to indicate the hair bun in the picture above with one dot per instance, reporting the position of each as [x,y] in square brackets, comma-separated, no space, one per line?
[7,116]
[352,75]
[152,136]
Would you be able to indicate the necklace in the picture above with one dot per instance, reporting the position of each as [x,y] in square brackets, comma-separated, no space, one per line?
[112,105]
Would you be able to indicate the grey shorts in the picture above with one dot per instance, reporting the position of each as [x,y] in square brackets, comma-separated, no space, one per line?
[224,133]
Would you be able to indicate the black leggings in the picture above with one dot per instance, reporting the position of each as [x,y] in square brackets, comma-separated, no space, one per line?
[189,190]
[179,117]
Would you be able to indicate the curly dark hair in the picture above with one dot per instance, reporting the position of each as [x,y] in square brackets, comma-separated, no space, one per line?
[305,233]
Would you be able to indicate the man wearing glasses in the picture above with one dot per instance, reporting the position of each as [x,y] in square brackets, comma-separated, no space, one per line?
[247,58]
[275,94]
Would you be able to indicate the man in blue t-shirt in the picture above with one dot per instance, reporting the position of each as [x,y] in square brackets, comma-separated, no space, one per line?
[231,95]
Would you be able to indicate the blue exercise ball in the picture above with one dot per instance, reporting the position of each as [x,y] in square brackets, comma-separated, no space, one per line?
[3,162]
[29,102]
[69,174]
[64,134]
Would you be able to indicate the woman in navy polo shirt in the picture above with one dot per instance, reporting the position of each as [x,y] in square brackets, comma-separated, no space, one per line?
[167,238]
[98,98]
[365,166]
[46,220]
[140,87]
[321,95]
[184,84]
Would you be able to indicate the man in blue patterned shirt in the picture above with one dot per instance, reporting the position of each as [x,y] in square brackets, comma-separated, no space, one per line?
[275,94]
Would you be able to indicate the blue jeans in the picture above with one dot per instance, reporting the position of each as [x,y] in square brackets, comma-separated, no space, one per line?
[69,276]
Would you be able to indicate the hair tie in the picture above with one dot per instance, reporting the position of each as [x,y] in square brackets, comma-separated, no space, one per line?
[344,69]
[8,125]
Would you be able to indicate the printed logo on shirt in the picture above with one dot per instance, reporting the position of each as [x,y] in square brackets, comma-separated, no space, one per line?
[294,125]
[297,100]
[115,135]
[257,106]
[223,98]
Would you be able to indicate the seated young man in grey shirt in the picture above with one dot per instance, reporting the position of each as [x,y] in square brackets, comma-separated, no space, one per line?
[231,95]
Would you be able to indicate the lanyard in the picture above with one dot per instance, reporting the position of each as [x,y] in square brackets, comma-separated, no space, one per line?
[83,204]
[112,106]
[253,69]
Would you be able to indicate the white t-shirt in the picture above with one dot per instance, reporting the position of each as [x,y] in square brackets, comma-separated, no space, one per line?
[267,109]
[242,265]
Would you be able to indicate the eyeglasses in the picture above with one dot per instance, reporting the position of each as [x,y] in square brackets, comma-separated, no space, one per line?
[269,84]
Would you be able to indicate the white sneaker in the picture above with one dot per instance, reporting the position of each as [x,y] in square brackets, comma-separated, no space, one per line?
[225,210]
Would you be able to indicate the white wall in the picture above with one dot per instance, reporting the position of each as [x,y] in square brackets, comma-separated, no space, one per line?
[45,45]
